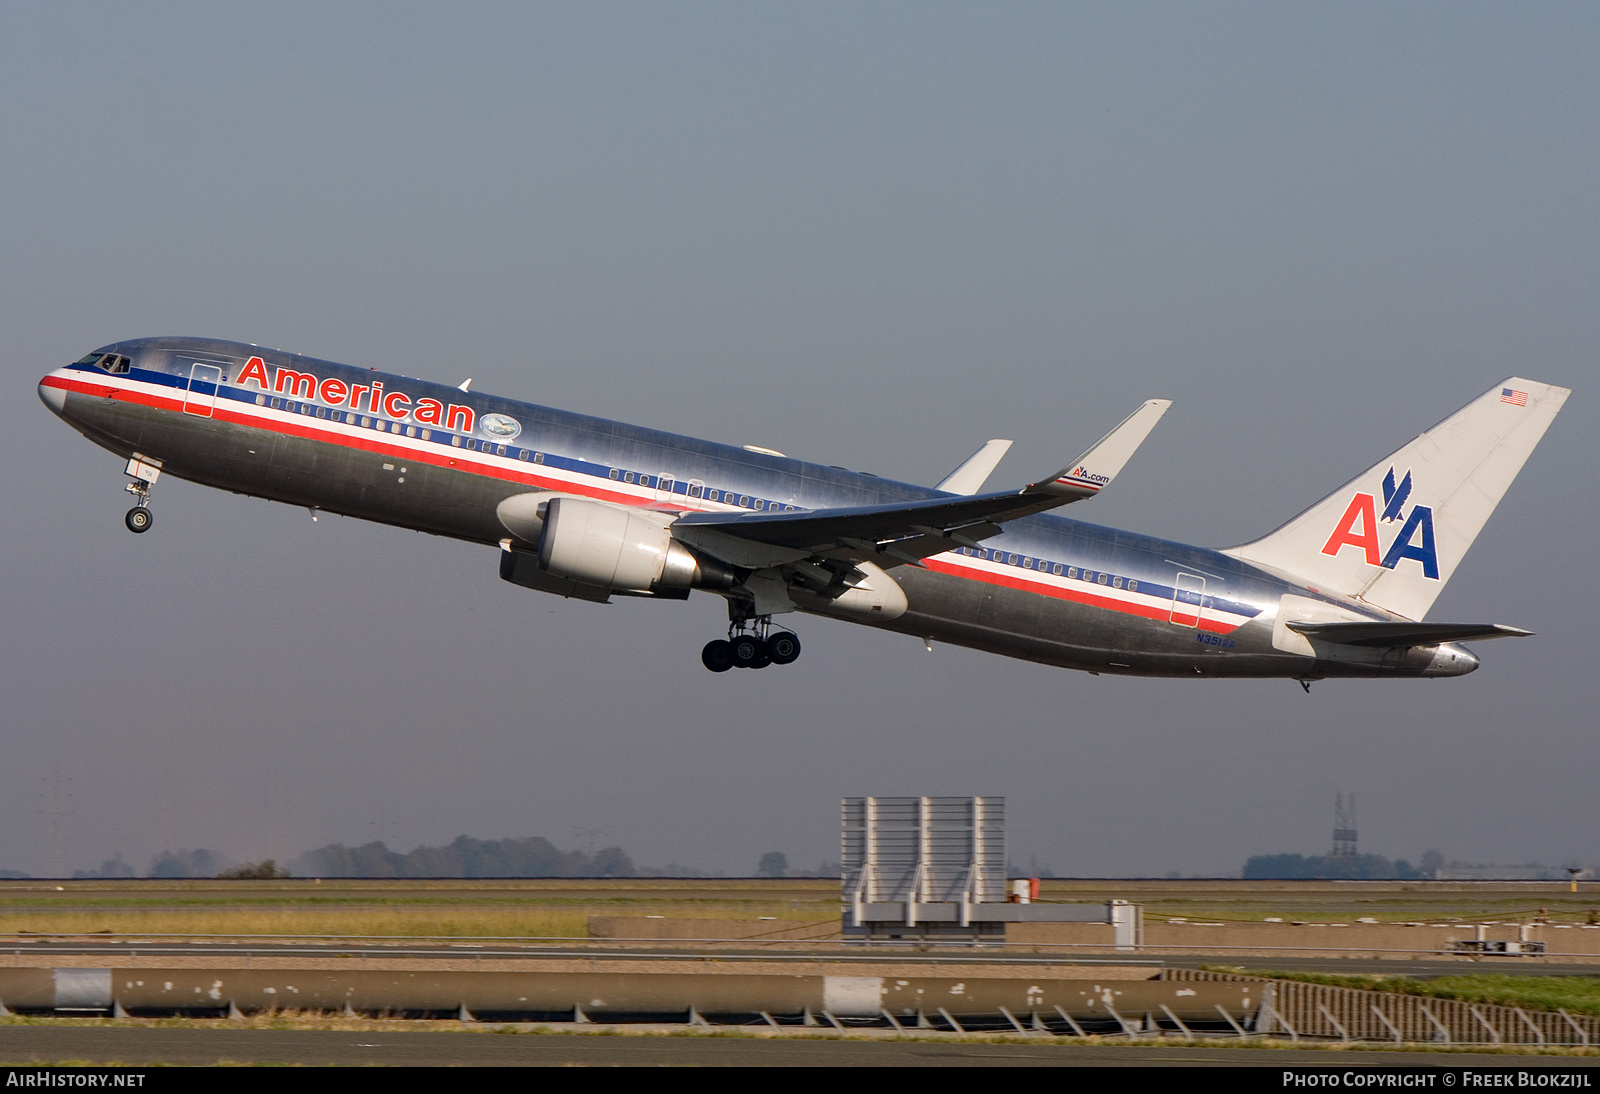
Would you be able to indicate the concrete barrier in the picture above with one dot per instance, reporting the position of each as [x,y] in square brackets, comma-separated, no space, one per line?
[614,995]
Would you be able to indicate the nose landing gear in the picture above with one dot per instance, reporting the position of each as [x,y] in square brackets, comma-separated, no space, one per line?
[145,471]
[751,644]
[139,517]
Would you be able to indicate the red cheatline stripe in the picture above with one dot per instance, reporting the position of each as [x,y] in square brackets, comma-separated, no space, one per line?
[364,443]
[1077,596]
[459,462]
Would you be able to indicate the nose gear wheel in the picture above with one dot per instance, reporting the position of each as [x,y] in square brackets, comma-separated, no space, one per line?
[139,518]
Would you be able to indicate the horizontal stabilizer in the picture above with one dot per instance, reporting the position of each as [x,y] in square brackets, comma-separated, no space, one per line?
[1403,633]
[971,475]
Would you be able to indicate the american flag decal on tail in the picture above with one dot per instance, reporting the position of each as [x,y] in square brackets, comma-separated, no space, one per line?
[1513,396]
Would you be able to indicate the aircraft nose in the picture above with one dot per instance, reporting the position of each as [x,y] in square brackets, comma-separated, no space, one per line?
[52,396]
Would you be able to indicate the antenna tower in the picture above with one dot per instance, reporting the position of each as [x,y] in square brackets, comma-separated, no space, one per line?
[1344,826]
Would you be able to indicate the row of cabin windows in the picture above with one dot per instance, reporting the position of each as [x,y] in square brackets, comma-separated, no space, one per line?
[699,490]
[1060,569]
[366,422]
[694,489]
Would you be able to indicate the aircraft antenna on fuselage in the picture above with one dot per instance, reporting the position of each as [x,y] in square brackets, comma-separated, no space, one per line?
[465,384]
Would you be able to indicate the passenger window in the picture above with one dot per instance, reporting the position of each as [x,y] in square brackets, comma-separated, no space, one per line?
[261,400]
[628,477]
[1116,583]
[1102,579]
[538,457]
[1133,586]
[1072,571]
[499,450]
[427,434]
[696,489]
[1012,559]
[744,500]
[615,472]
[456,441]
[711,495]
[522,454]
[1058,569]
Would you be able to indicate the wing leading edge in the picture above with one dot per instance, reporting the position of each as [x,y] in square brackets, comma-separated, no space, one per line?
[907,532]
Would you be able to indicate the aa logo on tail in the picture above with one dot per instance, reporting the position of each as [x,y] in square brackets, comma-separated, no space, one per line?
[1414,540]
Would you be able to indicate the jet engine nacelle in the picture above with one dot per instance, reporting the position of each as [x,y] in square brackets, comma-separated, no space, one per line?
[616,548]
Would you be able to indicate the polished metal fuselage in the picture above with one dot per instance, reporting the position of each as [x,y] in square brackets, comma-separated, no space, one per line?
[1196,612]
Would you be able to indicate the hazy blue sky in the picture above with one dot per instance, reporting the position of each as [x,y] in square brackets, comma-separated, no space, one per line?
[865,234]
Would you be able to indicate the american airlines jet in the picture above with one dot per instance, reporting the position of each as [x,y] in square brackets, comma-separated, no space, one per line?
[589,508]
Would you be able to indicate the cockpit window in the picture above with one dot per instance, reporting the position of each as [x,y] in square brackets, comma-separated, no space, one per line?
[110,362]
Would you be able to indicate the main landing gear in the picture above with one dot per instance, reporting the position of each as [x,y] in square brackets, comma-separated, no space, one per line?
[751,644]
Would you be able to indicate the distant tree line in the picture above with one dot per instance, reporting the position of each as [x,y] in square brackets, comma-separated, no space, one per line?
[168,864]
[1357,867]
[464,857]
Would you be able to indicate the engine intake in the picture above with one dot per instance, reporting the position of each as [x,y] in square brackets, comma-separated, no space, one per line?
[607,545]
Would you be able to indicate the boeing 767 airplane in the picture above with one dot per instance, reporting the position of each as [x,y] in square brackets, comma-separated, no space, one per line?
[589,508]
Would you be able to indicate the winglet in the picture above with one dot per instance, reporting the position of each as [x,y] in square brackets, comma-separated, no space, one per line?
[1098,466]
[971,475]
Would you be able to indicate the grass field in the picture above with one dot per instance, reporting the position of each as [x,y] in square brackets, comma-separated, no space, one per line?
[515,909]
[560,908]
[1231,901]
[1578,994]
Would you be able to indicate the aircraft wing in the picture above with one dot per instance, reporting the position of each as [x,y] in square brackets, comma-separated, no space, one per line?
[907,532]
[1402,633]
[971,475]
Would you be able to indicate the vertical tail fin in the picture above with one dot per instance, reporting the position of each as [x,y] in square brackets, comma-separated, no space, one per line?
[1394,535]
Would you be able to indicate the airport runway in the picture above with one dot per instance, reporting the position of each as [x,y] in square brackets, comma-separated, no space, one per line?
[24,1045]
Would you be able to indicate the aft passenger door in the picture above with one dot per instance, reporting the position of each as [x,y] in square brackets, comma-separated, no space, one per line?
[1188,600]
[201,397]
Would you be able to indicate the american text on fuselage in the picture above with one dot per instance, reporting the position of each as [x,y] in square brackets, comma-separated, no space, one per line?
[589,508]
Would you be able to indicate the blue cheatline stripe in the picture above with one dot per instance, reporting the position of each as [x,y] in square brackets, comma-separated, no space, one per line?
[1027,565]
